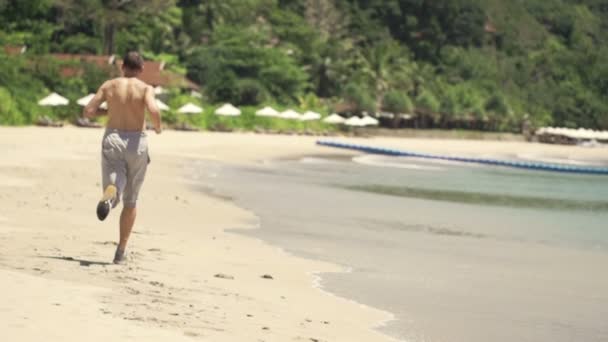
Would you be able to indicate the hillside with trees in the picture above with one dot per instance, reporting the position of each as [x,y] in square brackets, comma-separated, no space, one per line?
[480,64]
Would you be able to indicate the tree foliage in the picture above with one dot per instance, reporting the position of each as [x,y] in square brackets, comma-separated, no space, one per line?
[491,61]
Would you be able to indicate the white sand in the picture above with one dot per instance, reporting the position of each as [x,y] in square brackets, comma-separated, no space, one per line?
[167,291]
[55,283]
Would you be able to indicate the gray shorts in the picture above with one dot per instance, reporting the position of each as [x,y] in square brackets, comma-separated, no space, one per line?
[124,161]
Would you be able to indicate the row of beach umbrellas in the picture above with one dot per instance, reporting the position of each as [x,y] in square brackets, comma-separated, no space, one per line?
[228,109]
[572,133]
[308,116]
[56,100]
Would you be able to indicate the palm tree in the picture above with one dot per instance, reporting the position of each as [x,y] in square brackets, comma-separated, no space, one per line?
[427,107]
[385,64]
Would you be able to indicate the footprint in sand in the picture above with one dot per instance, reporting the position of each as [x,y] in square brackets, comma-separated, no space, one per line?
[224,276]
[105,243]
[157,283]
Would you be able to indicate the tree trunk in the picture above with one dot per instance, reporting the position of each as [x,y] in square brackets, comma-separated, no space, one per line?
[396,122]
[108,38]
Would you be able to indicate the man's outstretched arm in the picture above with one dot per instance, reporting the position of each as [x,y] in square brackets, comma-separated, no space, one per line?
[153,109]
[92,108]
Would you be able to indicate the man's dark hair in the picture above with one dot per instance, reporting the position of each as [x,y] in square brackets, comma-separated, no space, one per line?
[133,61]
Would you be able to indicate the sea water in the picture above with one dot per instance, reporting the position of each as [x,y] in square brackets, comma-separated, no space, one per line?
[456,252]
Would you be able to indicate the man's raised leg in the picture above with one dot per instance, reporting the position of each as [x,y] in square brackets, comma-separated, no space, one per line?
[113,179]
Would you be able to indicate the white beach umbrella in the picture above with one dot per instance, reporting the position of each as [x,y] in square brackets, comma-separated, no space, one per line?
[290,114]
[334,119]
[309,116]
[369,121]
[267,111]
[161,105]
[578,133]
[560,131]
[354,121]
[228,110]
[53,100]
[190,108]
[387,115]
[159,90]
[85,100]
[567,132]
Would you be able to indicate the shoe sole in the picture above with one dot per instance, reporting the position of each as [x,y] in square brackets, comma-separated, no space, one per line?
[104,206]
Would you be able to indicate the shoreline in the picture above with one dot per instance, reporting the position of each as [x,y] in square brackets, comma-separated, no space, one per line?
[316,276]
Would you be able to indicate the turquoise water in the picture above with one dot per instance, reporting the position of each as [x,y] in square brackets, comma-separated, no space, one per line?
[579,201]
[456,252]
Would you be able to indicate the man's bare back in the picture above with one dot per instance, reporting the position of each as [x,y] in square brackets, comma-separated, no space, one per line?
[127,99]
[126,103]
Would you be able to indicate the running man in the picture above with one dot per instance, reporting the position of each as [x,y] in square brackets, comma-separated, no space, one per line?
[124,158]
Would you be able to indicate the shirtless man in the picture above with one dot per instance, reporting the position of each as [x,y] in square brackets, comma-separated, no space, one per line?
[124,148]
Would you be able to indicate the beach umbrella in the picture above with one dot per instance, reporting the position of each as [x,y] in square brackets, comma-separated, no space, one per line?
[267,111]
[85,100]
[369,121]
[53,100]
[161,105]
[228,110]
[575,133]
[354,121]
[309,116]
[159,90]
[334,119]
[190,108]
[290,114]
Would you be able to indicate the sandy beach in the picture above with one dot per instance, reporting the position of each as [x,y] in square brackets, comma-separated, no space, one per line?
[186,278]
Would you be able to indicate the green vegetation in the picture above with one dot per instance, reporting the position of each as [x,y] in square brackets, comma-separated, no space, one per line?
[480,64]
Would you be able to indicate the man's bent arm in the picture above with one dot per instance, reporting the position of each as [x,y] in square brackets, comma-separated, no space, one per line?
[92,108]
[153,109]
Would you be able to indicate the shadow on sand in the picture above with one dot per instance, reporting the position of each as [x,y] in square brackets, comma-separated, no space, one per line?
[82,262]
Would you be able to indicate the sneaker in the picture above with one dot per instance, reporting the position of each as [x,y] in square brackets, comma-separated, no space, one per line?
[105,204]
[120,256]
